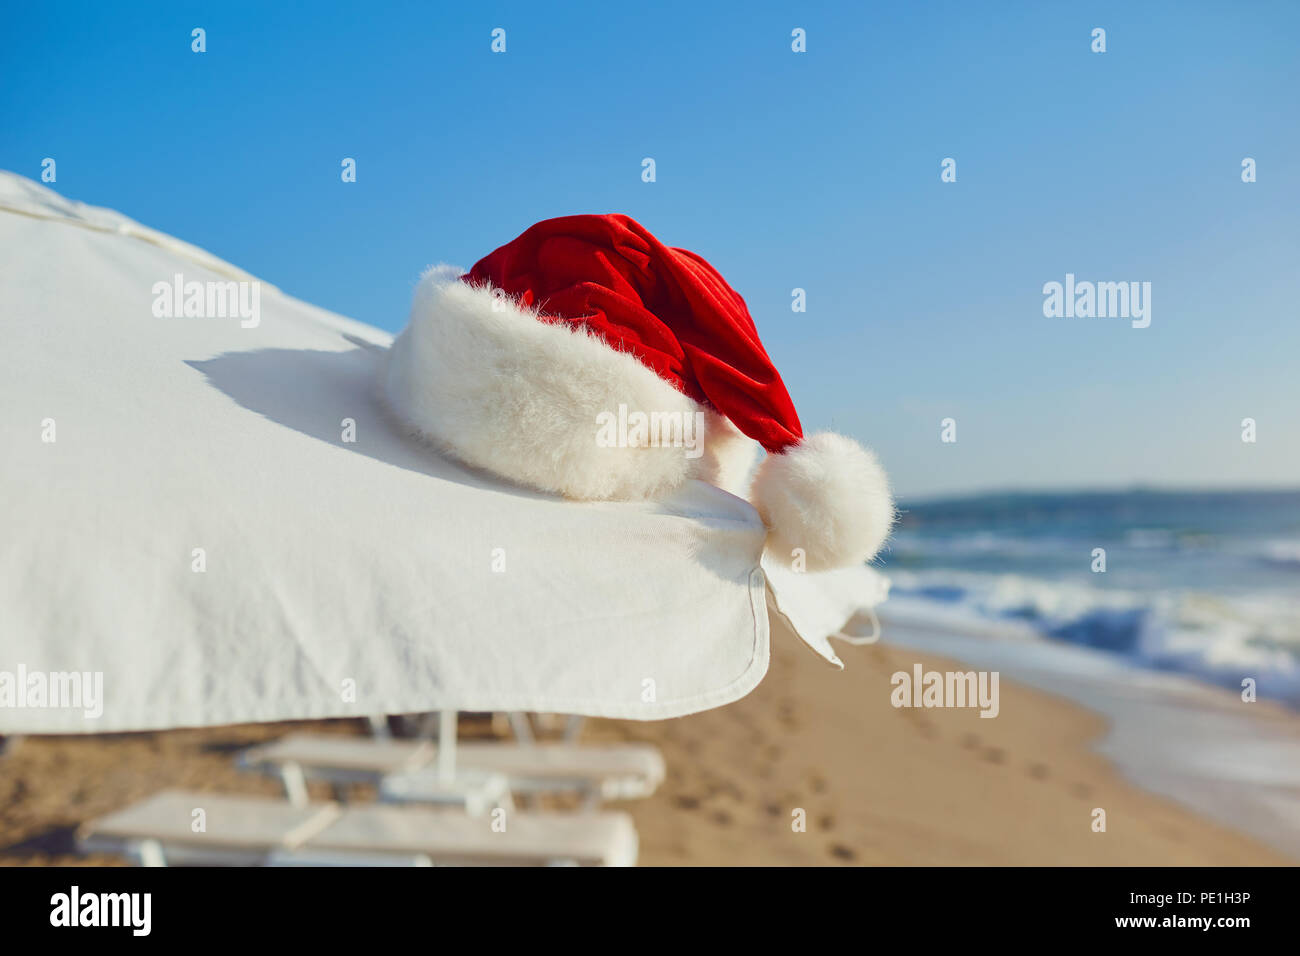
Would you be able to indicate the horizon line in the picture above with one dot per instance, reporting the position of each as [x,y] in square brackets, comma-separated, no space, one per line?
[1023,492]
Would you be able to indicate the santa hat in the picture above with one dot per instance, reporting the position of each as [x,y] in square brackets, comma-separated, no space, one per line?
[511,367]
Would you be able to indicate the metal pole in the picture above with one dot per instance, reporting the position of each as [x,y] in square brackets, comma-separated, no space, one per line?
[447,720]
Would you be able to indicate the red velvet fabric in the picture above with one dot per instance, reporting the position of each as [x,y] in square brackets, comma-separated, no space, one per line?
[668,307]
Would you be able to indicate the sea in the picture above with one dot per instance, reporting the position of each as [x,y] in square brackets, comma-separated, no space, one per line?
[1205,583]
[1135,604]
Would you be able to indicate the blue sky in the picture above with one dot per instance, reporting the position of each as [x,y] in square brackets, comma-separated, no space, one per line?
[818,170]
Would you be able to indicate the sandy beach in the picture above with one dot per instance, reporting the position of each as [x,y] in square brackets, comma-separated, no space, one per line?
[901,787]
[878,785]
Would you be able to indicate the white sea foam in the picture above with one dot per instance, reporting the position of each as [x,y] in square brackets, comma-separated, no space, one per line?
[1284,551]
[1221,639]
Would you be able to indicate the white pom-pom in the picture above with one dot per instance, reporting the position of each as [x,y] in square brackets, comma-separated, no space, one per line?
[826,497]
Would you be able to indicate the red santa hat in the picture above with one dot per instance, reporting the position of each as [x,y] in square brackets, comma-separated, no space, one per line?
[511,367]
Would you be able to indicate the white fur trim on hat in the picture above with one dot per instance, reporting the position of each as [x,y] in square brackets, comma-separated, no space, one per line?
[827,497]
[484,378]
[729,455]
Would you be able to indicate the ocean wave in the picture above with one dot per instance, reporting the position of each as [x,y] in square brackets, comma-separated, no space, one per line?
[1283,551]
[1220,639]
[908,544]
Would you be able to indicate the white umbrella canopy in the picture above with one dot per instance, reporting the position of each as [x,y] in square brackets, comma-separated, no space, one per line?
[213,520]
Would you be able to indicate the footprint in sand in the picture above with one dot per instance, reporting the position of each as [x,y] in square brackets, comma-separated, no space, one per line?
[841,852]
[921,723]
[785,716]
[724,788]
[995,755]
[1039,771]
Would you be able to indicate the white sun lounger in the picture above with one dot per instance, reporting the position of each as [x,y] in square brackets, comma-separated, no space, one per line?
[240,830]
[619,771]
[604,773]
[236,831]
[529,839]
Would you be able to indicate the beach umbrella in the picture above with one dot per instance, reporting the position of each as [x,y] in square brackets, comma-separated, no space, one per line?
[210,518]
